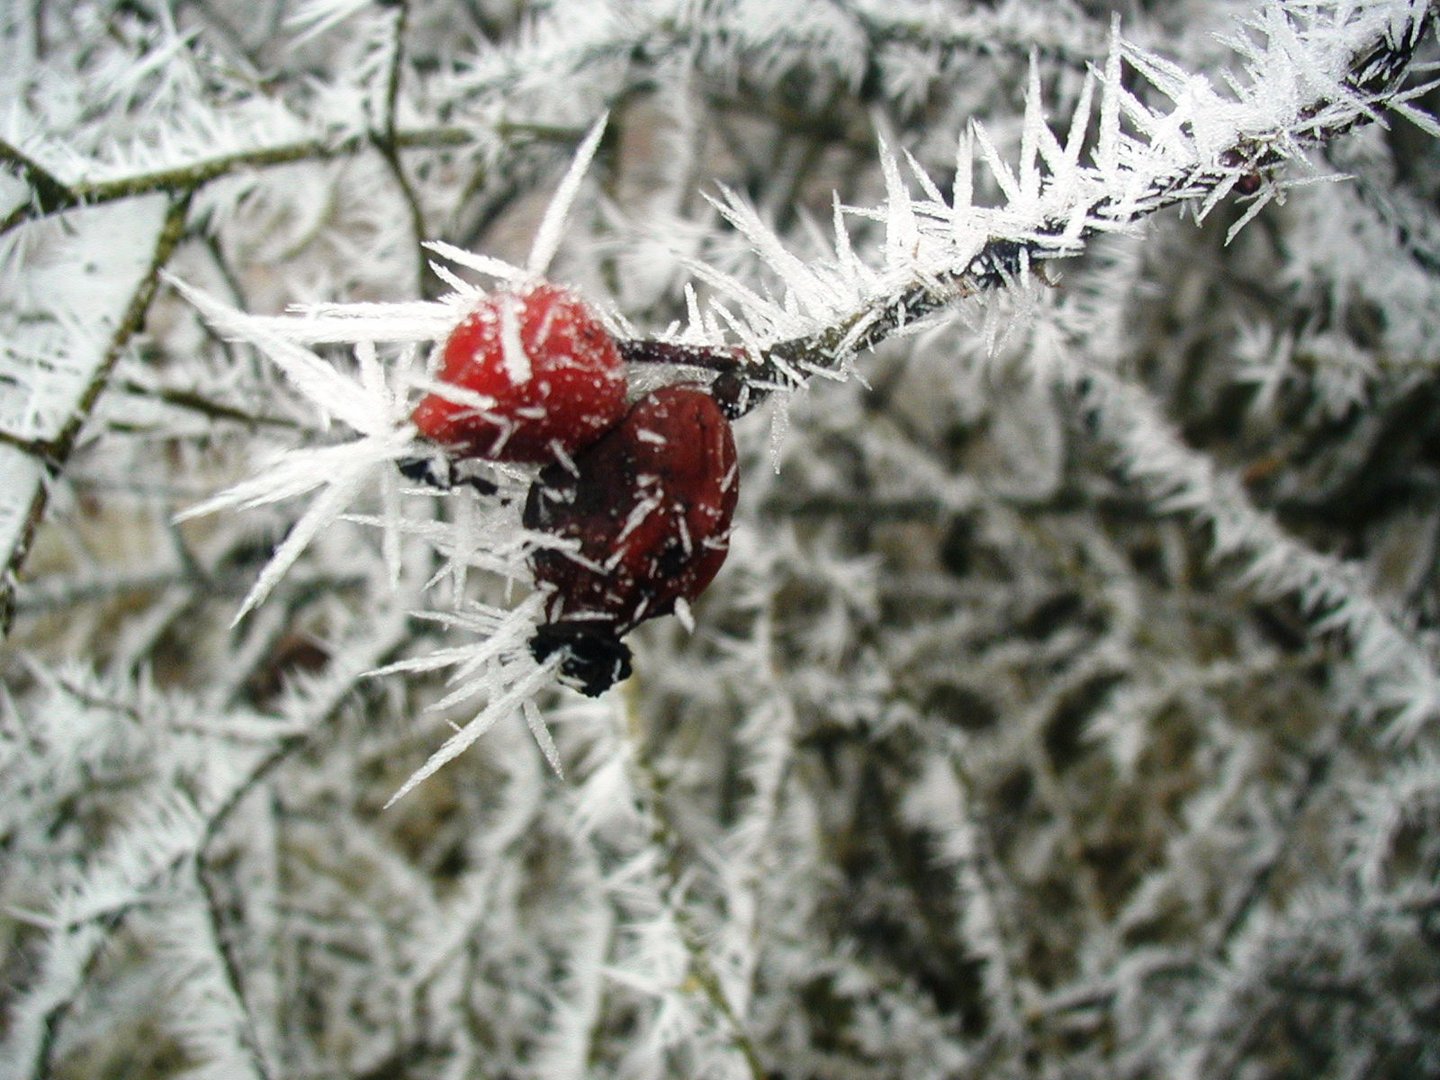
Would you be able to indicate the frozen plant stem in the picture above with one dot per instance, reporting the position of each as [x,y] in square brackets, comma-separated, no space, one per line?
[1375,72]
[388,141]
[702,974]
[54,196]
[55,452]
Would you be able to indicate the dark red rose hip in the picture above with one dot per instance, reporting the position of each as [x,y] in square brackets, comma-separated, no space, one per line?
[548,372]
[650,506]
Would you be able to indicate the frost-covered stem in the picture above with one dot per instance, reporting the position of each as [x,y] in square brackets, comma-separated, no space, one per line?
[883,27]
[43,596]
[1317,770]
[50,193]
[40,597]
[1410,218]
[1002,260]
[395,67]
[387,141]
[58,450]
[55,452]
[231,967]
[702,974]
[56,195]
[987,927]
[1234,1018]
[196,402]
[1385,648]
[42,1064]
[768,736]
[47,594]
[97,931]
[1101,661]
[387,638]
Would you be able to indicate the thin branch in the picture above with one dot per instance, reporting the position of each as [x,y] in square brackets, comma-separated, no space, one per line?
[190,178]
[387,142]
[56,452]
[1375,73]
[1318,764]
[50,194]
[187,179]
[981,32]
[663,836]
[196,402]
[231,965]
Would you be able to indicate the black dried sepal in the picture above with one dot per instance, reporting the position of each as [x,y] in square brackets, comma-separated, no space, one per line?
[428,469]
[440,472]
[595,658]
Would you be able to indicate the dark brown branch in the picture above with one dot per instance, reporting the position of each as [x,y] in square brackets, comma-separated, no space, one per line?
[650,351]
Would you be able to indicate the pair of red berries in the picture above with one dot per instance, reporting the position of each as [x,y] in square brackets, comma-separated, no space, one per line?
[641,496]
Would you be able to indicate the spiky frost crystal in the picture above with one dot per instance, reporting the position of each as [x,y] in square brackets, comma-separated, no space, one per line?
[1068,701]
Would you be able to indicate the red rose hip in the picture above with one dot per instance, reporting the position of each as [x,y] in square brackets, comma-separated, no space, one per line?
[539,372]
